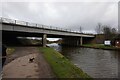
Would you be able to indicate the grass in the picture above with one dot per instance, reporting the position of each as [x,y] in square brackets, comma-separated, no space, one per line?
[10,50]
[100,46]
[61,66]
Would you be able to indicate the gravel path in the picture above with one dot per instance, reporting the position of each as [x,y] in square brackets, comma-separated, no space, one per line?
[21,67]
[20,52]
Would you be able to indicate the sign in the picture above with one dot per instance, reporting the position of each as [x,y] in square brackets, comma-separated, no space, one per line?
[107,42]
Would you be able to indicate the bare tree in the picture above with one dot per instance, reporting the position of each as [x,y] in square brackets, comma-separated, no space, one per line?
[114,31]
[107,32]
[99,28]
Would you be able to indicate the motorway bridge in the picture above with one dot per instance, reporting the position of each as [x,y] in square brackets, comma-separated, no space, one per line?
[15,28]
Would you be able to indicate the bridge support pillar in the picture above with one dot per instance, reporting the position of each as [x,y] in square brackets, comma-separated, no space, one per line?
[73,41]
[81,41]
[44,40]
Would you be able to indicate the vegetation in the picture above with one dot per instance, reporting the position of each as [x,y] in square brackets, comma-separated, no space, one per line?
[98,28]
[100,46]
[109,32]
[10,50]
[61,66]
[26,41]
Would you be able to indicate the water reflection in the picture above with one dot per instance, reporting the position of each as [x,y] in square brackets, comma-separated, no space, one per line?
[97,63]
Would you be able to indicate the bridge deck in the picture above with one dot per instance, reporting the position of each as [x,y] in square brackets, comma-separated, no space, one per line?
[22,26]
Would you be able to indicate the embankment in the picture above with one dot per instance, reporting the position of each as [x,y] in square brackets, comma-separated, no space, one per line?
[100,46]
[61,66]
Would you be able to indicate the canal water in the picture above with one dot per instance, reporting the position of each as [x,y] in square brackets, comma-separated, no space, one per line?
[95,62]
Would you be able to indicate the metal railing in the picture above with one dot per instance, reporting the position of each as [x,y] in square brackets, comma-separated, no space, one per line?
[17,22]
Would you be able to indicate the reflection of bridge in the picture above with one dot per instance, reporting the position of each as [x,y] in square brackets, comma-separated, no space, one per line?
[14,28]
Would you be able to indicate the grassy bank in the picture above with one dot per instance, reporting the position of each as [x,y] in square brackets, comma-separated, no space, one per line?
[61,66]
[100,46]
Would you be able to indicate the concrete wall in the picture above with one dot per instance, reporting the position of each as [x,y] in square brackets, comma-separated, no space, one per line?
[71,41]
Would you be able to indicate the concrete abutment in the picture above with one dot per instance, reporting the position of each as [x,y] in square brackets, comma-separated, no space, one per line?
[72,41]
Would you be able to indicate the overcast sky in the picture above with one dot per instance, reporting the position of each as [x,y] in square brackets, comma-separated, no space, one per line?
[69,15]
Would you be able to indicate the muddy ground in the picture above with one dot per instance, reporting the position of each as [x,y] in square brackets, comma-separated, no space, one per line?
[19,64]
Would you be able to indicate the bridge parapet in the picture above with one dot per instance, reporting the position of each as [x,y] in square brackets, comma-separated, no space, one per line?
[17,22]
[55,30]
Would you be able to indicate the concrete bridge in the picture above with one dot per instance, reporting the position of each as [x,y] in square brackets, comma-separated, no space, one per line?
[14,28]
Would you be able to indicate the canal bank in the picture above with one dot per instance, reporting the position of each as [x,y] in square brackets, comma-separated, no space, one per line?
[47,63]
[61,66]
[100,46]
[98,63]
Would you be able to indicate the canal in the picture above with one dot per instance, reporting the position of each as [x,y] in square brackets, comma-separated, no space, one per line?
[95,62]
